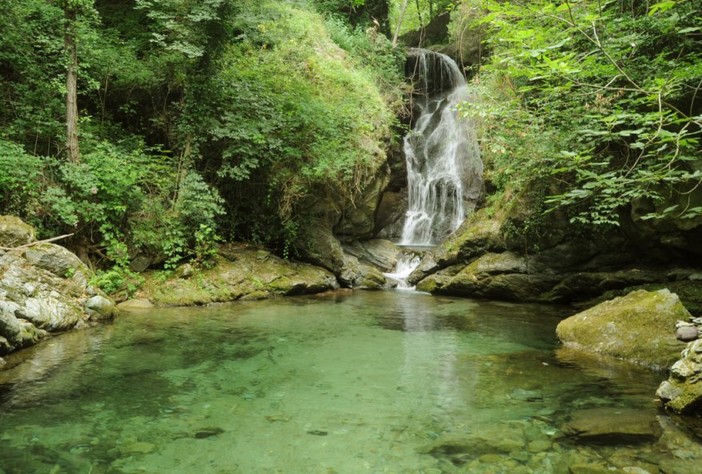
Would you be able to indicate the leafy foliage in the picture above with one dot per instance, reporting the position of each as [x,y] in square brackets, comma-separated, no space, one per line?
[414,14]
[197,119]
[600,98]
[301,118]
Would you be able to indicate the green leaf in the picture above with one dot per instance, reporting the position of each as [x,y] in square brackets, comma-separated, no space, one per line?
[661,7]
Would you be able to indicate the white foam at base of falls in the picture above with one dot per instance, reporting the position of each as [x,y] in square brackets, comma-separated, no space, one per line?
[406,264]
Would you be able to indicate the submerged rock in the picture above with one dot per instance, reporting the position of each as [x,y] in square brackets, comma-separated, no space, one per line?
[612,426]
[638,328]
[135,305]
[682,392]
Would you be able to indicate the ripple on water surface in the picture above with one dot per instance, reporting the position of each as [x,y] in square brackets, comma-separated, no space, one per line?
[368,382]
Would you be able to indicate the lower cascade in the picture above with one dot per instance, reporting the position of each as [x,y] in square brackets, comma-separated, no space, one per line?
[406,264]
[444,170]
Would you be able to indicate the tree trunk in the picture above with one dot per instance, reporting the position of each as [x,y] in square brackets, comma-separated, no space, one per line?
[399,23]
[69,42]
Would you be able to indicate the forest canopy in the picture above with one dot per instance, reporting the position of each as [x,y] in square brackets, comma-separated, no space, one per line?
[197,120]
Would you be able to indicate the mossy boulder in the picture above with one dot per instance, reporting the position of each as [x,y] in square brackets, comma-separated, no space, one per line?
[14,232]
[480,233]
[246,273]
[638,328]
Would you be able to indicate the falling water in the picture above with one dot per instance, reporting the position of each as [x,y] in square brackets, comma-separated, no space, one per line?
[443,160]
[406,264]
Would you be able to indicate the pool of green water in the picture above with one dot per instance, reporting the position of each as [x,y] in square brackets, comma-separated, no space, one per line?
[350,383]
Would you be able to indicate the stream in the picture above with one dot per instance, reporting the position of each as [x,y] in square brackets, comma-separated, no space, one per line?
[392,381]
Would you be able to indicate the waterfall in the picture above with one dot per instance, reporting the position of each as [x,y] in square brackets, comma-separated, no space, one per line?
[406,264]
[443,159]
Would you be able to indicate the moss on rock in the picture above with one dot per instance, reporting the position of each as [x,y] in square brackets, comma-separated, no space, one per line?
[246,273]
[682,392]
[638,328]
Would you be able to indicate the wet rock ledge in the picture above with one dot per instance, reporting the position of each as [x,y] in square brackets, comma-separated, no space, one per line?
[44,288]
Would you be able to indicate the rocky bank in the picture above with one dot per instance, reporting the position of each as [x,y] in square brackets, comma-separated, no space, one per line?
[242,272]
[44,288]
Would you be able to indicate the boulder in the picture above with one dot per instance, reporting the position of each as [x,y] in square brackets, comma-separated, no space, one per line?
[687,333]
[16,332]
[372,279]
[479,234]
[320,247]
[56,259]
[14,232]
[100,308]
[51,312]
[682,392]
[43,288]
[638,328]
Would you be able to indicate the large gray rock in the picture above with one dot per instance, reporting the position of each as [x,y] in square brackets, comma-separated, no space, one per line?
[682,392]
[43,288]
[54,258]
[638,328]
[100,307]
[379,253]
[320,247]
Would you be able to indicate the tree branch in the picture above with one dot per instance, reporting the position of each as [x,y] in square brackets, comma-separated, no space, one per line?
[32,244]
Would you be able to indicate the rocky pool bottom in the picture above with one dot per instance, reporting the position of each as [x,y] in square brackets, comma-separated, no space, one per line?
[346,383]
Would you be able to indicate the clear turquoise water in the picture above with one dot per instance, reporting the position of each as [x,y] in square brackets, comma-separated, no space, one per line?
[368,382]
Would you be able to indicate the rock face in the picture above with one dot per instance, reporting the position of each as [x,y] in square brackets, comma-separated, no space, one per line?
[379,253]
[241,273]
[638,328]
[43,288]
[330,222]
[682,392]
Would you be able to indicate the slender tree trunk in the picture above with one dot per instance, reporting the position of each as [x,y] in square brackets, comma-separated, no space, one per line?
[69,42]
[399,23]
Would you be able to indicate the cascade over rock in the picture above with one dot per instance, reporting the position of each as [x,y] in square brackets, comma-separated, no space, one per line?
[443,159]
[553,261]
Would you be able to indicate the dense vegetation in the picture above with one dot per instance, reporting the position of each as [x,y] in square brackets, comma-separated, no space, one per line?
[197,120]
[228,119]
[602,100]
